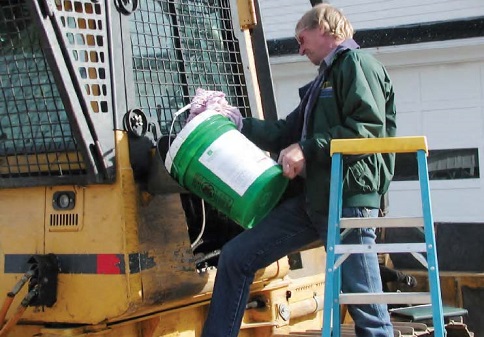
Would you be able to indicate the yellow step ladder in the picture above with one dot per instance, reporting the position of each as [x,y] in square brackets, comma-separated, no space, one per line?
[338,227]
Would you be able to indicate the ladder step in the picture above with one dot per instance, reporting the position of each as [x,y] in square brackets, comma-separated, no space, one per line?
[404,144]
[381,222]
[391,298]
[402,329]
[381,248]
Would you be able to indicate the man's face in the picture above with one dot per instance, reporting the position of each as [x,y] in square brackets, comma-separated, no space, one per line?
[315,44]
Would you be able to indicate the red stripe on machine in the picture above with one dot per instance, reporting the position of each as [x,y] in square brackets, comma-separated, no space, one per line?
[108,264]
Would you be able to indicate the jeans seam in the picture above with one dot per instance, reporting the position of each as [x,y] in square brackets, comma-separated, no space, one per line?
[378,308]
[238,306]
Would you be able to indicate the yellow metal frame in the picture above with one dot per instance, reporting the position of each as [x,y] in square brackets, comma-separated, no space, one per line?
[247,16]
[133,302]
[379,145]
[42,162]
[107,224]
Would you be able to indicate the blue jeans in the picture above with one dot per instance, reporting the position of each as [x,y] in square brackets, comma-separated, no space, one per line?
[285,230]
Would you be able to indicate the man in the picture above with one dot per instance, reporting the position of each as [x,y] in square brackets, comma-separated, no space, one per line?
[352,97]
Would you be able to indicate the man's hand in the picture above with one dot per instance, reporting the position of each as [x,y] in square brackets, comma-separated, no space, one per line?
[215,101]
[292,161]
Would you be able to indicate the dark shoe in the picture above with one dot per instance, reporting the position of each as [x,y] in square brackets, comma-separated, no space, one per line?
[410,281]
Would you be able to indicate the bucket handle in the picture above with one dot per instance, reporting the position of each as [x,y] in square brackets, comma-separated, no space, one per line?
[175,116]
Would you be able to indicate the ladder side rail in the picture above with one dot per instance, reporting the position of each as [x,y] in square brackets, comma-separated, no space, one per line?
[433,270]
[335,193]
[338,240]
[420,258]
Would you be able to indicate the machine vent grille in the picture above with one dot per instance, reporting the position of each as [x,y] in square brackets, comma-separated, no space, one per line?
[66,221]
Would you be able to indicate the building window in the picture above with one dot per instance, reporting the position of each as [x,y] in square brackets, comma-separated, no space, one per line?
[442,165]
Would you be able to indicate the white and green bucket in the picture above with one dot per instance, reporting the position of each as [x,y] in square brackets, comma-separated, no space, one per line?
[213,160]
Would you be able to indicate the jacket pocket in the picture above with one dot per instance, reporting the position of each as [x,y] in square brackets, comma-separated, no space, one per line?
[359,177]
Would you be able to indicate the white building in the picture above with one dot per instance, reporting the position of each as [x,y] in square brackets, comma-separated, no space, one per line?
[434,52]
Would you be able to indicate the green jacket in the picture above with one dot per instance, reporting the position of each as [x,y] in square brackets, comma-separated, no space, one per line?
[355,100]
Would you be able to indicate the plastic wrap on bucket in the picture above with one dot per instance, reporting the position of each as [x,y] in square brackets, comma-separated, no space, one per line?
[213,160]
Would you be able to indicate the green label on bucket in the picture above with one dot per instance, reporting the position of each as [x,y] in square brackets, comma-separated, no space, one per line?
[236,161]
[212,194]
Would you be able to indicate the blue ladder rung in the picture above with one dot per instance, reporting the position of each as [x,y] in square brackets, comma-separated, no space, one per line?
[382,222]
[391,298]
[380,248]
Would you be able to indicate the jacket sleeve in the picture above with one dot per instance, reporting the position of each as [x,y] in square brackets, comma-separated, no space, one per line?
[272,136]
[361,88]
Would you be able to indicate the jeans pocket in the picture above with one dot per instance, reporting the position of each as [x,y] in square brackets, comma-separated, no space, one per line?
[359,212]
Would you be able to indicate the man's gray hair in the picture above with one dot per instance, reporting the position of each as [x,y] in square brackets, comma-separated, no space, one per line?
[327,17]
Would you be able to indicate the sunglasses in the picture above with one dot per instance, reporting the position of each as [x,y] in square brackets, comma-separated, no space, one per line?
[298,36]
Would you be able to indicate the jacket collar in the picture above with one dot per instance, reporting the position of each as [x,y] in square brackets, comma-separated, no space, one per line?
[347,44]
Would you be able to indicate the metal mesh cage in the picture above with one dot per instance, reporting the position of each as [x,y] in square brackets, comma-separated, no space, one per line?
[178,46]
[35,135]
[84,35]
